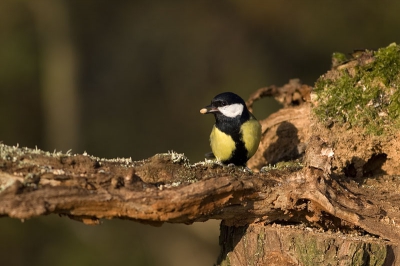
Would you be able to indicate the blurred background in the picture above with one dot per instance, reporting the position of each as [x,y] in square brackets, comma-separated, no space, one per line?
[128,78]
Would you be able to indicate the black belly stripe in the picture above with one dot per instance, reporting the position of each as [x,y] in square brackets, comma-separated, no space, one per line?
[239,156]
[232,128]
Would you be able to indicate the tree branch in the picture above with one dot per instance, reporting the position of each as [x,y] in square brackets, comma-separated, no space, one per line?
[166,188]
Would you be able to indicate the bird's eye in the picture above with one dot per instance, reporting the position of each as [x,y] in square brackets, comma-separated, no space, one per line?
[223,103]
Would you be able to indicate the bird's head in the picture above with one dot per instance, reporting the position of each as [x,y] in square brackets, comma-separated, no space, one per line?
[227,105]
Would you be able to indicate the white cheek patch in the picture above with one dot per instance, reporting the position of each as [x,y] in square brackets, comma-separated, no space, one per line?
[232,110]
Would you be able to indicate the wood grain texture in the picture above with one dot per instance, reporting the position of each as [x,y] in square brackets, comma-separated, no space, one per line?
[166,188]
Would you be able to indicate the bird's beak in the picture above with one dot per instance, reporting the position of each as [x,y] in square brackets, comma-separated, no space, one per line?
[208,109]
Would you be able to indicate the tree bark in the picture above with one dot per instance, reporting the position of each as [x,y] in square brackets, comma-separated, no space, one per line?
[293,245]
[166,188]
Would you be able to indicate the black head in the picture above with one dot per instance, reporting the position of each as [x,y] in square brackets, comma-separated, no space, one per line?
[227,98]
[226,105]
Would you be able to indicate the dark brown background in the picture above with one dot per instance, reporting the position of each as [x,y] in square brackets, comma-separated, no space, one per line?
[128,78]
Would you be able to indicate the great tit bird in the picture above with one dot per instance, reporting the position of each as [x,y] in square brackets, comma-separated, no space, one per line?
[236,133]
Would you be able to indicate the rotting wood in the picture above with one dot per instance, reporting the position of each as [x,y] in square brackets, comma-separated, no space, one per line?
[296,245]
[86,188]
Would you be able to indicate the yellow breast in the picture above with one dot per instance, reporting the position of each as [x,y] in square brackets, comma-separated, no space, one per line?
[222,145]
[251,134]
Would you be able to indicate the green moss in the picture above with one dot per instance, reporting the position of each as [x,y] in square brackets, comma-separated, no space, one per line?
[373,254]
[359,256]
[308,251]
[378,254]
[364,92]
[260,246]
[338,59]
[313,250]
